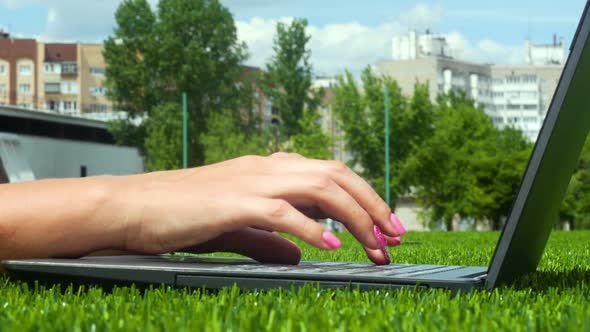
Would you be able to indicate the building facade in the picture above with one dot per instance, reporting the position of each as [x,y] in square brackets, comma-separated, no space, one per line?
[512,95]
[66,78]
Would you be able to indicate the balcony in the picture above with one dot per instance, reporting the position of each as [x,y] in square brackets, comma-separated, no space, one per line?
[52,88]
[69,68]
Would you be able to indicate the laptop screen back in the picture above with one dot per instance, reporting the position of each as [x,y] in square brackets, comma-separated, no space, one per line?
[553,160]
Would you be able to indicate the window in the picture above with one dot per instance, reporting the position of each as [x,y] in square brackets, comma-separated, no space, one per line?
[52,88]
[513,107]
[513,79]
[69,87]
[70,106]
[3,89]
[24,89]
[52,105]
[3,70]
[97,71]
[529,107]
[529,79]
[98,108]
[52,68]
[69,68]
[98,90]
[24,70]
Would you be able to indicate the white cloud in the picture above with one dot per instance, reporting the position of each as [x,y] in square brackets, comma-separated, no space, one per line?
[335,47]
[484,51]
[353,46]
[14,4]
[421,17]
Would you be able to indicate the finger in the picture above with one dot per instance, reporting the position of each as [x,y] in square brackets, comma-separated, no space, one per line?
[377,256]
[280,216]
[321,191]
[313,212]
[263,246]
[393,241]
[363,193]
[356,186]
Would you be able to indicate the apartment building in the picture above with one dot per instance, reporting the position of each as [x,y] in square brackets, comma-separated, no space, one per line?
[66,78]
[512,95]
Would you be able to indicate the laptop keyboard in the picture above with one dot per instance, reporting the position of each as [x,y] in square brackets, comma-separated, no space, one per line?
[196,264]
[338,268]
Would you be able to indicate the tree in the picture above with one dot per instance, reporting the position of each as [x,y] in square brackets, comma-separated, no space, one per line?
[288,76]
[575,208]
[164,130]
[498,174]
[442,170]
[224,140]
[153,57]
[311,141]
[361,116]
[128,75]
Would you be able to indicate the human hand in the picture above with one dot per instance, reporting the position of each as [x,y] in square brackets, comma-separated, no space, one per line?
[235,206]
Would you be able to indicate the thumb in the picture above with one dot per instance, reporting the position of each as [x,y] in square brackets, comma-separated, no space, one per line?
[261,245]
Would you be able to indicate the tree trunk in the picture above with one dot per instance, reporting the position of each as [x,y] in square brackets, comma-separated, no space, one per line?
[449,223]
[496,223]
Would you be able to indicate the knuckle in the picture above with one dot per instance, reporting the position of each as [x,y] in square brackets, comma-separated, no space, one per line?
[337,166]
[307,226]
[381,207]
[321,182]
[248,161]
[279,209]
[280,155]
[296,155]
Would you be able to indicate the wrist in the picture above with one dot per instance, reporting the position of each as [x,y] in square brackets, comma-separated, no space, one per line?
[111,215]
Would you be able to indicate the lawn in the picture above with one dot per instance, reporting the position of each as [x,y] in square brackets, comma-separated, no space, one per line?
[555,298]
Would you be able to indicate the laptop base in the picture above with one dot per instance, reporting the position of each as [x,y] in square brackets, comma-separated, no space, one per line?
[219,272]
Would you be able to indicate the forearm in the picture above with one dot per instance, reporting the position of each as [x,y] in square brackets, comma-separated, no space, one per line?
[57,218]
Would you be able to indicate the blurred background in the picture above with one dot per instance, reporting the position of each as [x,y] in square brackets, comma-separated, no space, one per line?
[436,104]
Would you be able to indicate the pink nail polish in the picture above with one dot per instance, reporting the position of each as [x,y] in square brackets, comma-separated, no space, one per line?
[386,254]
[397,225]
[382,243]
[331,240]
[379,235]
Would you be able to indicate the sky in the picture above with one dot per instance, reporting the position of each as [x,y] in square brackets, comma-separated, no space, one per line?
[345,35]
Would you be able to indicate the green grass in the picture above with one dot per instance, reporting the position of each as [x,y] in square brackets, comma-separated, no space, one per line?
[555,298]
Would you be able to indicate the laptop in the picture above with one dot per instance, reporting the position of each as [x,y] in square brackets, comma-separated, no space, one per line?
[518,252]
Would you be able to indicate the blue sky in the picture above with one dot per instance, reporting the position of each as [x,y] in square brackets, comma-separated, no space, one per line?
[345,34]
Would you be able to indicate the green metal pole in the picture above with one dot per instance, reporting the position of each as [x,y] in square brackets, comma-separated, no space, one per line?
[387,171]
[184,132]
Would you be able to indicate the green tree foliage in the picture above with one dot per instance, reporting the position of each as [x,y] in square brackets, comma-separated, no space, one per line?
[361,114]
[442,170]
[467,168]
[164,130]
[576,205]
[152,57]
[225,140]
[311,141]
[288,76]
[499,174]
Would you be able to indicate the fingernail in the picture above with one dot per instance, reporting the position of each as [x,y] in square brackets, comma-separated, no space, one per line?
[396,241]
[386,255]
[382,243]
[379,235]
[397,225]
[331,240]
